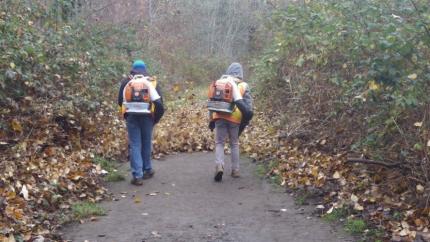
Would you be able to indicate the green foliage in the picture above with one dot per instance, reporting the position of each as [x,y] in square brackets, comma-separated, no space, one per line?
[111,167]
[41,50]
[87,209]
[302,198]
[330,60]
[265,170]
[355,226]
[375,234]
[336,215]
[261,170]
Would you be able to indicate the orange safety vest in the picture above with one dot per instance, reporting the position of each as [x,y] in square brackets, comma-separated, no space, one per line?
[127,96]
[236,115]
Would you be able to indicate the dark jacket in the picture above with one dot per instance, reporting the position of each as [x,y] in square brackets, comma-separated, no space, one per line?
[159,105]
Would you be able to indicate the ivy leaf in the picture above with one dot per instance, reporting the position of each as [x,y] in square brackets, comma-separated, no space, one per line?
[373,85]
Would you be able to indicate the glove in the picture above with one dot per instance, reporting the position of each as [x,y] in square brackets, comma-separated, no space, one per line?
[212,125]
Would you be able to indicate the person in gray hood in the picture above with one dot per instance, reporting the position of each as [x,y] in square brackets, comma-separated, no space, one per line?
[231,125]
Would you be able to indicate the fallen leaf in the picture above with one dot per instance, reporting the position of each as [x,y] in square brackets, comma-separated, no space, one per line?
[336,175]
[418,222]
[420,188]
[413,76]
[373,85]
[156,234]
[11,238]
[358,207]
[354,198]
[176,88]
[24,192]
[418,124]
[404,232]
[16,126]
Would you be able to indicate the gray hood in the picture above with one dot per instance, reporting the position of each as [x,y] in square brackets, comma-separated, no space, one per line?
[235,69]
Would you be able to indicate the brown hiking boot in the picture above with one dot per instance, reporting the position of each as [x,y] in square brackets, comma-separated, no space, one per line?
[219,170]
[148,174]
[235,173]
[137,181]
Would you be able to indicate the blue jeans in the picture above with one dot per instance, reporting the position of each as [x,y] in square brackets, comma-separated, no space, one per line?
[139,130]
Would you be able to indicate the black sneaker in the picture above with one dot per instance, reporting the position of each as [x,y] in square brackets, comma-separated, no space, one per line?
[148,174]
[219,171]
[137,181]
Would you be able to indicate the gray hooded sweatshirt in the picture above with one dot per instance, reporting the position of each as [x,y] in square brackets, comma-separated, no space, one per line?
[236,70]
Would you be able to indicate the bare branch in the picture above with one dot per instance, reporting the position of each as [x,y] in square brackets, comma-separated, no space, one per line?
[374,162]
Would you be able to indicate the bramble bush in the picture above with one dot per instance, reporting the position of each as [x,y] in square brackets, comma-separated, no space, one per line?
[353,73]
[41,53]
[58,83]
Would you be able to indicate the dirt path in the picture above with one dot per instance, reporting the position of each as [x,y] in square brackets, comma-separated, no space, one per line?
[182,203]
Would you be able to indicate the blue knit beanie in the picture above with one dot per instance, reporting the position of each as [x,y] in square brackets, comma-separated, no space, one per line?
[138,66]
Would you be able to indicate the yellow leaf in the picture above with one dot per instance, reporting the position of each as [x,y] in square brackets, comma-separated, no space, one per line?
[413,76]
[176,88]
[315,171]
[373,85]
[12,65]
[16,126]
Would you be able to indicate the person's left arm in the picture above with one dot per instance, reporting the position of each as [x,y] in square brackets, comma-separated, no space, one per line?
[159,105]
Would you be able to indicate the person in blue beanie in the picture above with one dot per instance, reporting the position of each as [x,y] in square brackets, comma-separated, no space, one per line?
[141,104]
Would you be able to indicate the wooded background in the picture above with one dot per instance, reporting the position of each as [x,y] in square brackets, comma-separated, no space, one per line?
[346,79]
